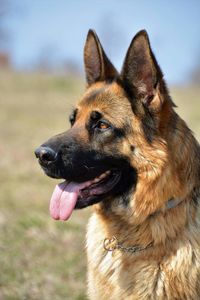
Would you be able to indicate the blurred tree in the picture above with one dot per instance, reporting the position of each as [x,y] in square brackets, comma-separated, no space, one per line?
[195,74]
[70,67]
[5,8]
[195,77]
[45,61]
[50,60]
[110,35]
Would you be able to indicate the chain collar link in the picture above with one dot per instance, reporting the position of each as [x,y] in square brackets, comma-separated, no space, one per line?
[113,244]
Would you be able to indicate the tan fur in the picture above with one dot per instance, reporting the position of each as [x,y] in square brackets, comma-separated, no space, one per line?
[171,268]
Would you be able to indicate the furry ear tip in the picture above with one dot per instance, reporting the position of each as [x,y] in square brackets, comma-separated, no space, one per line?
[142,33]
[91,32]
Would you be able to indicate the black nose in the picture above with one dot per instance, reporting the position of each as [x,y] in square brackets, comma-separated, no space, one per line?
[45,154]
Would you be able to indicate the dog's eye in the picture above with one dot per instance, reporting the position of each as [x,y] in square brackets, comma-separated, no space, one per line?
[102,125]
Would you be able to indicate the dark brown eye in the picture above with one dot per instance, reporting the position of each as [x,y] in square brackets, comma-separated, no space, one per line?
[102,125]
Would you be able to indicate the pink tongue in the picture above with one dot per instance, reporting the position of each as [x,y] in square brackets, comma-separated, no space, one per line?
[64,198]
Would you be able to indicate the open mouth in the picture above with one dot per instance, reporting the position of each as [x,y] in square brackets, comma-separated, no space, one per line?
[70,195]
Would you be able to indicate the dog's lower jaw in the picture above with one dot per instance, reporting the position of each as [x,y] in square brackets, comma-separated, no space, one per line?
[175,254]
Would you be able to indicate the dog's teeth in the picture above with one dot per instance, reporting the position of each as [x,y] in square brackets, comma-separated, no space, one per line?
[102,176]
[97,179]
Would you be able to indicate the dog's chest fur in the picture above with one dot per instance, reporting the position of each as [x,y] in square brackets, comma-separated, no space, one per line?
[171,272]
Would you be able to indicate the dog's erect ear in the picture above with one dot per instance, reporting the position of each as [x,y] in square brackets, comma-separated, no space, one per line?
[97,65]
[141,73]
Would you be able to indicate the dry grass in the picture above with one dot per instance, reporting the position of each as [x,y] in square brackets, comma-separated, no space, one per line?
[39,258]
[42,259]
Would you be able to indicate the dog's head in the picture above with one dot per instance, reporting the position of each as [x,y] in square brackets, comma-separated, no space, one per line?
[117,135]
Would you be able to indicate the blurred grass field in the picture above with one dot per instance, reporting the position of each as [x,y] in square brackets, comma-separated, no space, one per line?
[41,259]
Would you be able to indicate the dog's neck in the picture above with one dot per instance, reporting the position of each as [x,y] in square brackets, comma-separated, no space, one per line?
[112,243]
[157,228]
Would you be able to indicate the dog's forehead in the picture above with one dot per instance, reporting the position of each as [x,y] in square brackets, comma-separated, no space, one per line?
[105,98]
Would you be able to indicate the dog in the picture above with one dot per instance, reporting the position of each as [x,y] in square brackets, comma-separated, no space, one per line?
[130,156]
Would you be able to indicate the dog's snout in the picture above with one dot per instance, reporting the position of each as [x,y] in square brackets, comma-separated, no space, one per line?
[45,154]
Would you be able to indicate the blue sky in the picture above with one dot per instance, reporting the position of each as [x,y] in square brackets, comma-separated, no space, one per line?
[62,25]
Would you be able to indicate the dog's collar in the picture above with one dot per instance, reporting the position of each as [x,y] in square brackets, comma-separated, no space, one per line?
[111,244]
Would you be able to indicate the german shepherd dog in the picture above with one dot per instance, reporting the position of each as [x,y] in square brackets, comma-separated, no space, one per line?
[130,156]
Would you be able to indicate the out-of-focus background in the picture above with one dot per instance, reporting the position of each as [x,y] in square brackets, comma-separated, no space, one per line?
[41,77]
